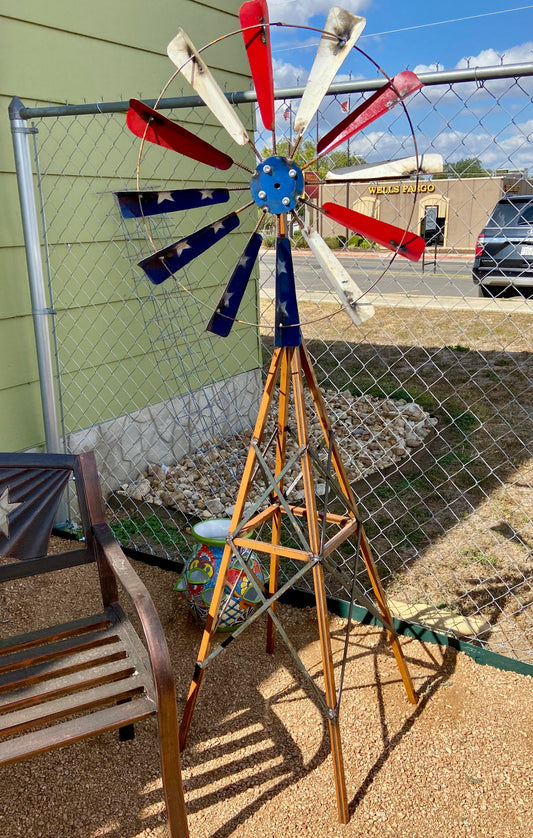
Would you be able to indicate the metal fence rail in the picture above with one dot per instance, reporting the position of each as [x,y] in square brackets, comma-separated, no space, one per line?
[432,398]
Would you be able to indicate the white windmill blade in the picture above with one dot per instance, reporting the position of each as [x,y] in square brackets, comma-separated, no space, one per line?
[329,57]
[426,164]
[183,54]
[344,286]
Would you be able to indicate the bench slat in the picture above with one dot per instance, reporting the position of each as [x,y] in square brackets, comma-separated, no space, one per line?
[65,733]
[78,702]
[27,696]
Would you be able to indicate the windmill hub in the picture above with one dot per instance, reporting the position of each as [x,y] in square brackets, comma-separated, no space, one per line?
[277,184]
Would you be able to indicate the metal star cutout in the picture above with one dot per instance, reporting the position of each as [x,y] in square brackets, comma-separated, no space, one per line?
[5,509]
[218,225]
[179,248]
[224,303]
[282,312]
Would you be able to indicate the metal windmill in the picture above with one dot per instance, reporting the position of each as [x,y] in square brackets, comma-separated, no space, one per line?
[277,187]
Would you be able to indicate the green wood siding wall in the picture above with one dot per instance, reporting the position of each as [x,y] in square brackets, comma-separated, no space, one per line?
[59,52]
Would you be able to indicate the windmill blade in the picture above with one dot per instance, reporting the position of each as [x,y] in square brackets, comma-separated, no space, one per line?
[151,125]
[135,204]
[394,238]
[254,14]
[372,108]
[183,54]
[343,285]
[330,55]
[387,169]
[287,329]
[228,306]
[160,265]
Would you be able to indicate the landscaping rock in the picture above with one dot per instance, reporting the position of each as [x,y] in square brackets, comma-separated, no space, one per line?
[372,434]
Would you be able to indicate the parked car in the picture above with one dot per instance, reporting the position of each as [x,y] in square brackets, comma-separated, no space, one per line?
[503,262]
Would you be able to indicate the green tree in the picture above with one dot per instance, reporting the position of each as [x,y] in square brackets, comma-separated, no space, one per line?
[306,152]
[467,167]
[340,159]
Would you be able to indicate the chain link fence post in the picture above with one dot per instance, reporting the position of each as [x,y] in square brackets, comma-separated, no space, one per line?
[32,242]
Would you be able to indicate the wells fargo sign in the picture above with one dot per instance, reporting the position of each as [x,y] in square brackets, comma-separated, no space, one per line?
[396,188]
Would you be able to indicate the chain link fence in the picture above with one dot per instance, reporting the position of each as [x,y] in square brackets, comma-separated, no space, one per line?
[431,399]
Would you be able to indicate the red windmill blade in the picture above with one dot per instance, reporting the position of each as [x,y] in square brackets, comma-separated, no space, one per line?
[371,109]
[387,235]
[151,125]
[253,16]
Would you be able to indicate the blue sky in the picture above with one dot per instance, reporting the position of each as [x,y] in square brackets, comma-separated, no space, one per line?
[416,33]
[496,125]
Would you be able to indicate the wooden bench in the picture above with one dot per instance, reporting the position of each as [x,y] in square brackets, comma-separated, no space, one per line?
[67,682]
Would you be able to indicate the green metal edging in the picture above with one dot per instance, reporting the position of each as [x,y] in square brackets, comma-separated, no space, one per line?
[302,599]
[341,608]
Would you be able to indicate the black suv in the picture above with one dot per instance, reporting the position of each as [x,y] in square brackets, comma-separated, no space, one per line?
[503,263]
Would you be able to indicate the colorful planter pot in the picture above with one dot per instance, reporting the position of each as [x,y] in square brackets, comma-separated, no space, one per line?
[197,582]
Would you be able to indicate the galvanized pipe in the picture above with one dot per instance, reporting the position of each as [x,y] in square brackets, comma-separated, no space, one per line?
[40,310]
[470,74]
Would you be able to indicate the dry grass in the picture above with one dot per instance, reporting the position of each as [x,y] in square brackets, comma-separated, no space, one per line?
[455,525]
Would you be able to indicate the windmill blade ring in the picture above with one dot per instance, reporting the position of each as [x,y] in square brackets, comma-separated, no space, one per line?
[277,186]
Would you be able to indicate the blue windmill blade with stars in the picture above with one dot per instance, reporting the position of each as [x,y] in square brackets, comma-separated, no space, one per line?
[226,311]
[165,262]
[137,204]
[287,326]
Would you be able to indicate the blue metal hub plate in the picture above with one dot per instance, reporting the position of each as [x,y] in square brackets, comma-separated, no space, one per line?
[277,184]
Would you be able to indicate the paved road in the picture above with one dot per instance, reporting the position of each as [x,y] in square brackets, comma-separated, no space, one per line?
[444,285]
[449,277]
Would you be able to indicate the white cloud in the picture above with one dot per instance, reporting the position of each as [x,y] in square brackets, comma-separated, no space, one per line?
[420,69]
[301,11]
[499,90]
[491,57]
[511,148]
[487,58]
[288,75]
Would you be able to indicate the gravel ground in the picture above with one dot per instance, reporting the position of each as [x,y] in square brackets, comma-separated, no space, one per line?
[257,762]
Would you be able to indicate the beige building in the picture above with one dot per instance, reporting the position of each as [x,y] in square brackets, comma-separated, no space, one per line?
[454,211]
